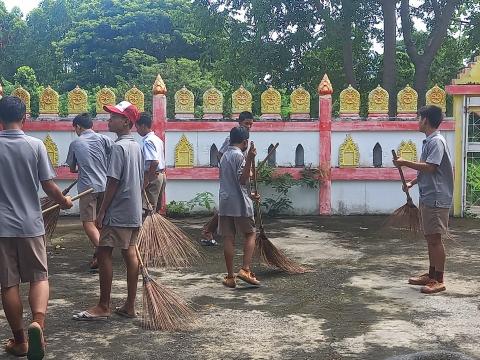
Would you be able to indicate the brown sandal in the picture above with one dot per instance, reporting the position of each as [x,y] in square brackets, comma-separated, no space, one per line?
[12,348]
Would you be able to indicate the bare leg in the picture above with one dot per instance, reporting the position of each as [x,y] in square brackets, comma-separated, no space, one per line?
[229,253]
[248,250]
[437,249]
[38,299]
[12,305]
[131,261]
[104,255]
[92,232]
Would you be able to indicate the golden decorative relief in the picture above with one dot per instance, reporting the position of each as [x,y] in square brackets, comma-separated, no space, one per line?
[241,100]
[349,101]
[378,101]
[23,95]
[271,101]
[438,97]
[348,155]
[469,75]
[407,101]
[325,86]
[52,150]
[183,153]
[300,101]
[213,101]
[407,150]
[49,101]
[77,101]
[136,97]
[159,87]
[184,101]
[104,97]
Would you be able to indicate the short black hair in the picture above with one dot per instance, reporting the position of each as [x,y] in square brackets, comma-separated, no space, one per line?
[245,115]
[145,119]
[433,114]
[238,134]
[83,120]
[12,110]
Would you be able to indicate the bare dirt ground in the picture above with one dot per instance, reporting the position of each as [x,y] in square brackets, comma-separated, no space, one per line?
[355,304]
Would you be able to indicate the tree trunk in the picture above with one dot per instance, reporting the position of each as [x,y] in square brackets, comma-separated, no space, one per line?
[422,69]
[348,42]
[389,53]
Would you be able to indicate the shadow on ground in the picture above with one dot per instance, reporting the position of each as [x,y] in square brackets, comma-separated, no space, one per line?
[355,304]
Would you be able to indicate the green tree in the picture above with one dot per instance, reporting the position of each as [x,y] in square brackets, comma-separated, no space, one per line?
[12,40]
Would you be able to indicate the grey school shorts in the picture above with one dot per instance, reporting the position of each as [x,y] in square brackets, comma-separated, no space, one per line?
[118,237]
[434,219]
[89,205]
[230,225]
[22,260]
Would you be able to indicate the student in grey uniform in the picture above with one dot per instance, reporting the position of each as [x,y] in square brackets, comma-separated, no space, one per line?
[154,180]
[435,184]
[245,119]
[236,214]
[23,257]
[88,155]
[120,215]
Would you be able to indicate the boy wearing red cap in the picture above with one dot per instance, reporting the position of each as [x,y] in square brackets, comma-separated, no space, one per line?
[120,215]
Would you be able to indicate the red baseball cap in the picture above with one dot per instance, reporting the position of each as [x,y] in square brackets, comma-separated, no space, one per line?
[126,109]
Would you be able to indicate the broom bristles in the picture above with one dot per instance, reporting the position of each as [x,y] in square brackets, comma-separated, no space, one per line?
[406,217]
[274,257]
[163,244]
[163,309]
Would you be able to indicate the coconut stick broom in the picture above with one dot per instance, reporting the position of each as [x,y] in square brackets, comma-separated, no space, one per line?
[163,244]
[50,218]
[270,254]
[163,309]
[57,206]
[407,216]
[212,225]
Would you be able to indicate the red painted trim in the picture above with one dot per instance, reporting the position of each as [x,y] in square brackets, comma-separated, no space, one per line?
[60,125]
[224,126]
[63,173]
[325,122]
[159,105]
[463,89]
[373,125]
[372,174]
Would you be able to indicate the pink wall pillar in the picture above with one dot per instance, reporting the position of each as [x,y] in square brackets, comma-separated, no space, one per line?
[325,128]
[159,116]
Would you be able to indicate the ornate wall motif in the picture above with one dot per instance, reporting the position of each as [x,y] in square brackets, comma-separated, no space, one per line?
[407,150]
[23,95]
[49,101]
[52,150]
[184,153]
[325,86]
[271,101]
[136,97]
[378,101]
[407,101]
[349,101]
[212,101]
[105,97]
[348,155]
[300,101]
[241,100]
[438,97]
[159,87]
[77,101]
[184,101]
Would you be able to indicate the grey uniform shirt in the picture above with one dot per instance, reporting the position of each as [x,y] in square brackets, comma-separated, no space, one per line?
[126,165]
[234,198]
[436,189]
[90,152]
[24,163]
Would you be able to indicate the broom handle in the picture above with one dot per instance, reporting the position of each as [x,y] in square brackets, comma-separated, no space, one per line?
[150,207]
[255,189]
[270,153]
[76,197]
[67,190]
[395,157]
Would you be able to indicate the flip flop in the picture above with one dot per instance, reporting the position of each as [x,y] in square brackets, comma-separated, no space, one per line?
[36,345]
[86,316]
[9,349]
[121,312]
